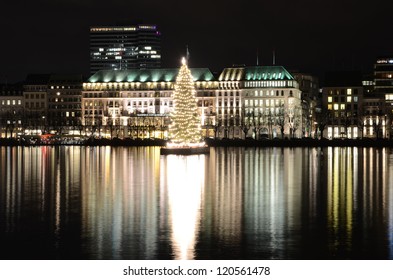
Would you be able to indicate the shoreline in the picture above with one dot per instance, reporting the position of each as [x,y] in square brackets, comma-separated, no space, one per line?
[366,142]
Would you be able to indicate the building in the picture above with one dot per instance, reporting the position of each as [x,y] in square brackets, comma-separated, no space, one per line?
[64,94]
[258,102]
[383,87]
[342,101]
[137,103]
[311,101]
[125,47]
[374,119]
[11,110]
[262,101]
[35,90]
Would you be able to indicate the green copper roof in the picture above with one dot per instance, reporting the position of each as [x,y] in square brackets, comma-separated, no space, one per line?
[255,73]
[147,75]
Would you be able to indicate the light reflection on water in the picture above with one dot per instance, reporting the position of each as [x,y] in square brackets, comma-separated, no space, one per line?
[236,203]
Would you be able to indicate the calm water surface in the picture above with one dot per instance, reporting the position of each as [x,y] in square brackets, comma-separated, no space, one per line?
[236,203]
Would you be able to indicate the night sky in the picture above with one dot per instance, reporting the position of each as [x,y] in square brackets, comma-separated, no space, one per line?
[52,36]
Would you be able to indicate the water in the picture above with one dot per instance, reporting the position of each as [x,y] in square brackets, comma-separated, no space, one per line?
[236,203]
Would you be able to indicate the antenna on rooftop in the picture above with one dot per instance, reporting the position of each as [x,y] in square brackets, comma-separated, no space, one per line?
[274,57]
[257,57]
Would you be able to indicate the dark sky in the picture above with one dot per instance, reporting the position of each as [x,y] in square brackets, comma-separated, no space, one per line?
[44,36]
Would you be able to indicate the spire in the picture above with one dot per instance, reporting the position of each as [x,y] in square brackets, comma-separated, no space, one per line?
[187,54]
[257,57]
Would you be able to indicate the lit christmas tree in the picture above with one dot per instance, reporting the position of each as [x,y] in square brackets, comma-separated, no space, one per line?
[185,129]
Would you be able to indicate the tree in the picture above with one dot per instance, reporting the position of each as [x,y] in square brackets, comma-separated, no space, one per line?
[280,119]
[294,119]
[377,125]
[322,118]
[186,127]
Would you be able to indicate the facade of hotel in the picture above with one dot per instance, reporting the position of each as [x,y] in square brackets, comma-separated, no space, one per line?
[258,102]
[137,103]
[262,101]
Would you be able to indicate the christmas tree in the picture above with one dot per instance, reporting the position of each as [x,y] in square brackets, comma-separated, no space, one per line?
[185,129]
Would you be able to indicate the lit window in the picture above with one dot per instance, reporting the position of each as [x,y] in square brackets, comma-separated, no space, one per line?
[349,98]
[330,106]
[349,91]
[342,106]
[335,106]
[330,99]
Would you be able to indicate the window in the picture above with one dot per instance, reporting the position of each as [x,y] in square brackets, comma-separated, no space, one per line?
[330,99]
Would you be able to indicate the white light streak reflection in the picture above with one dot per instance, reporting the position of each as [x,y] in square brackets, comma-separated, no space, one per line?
[185,178]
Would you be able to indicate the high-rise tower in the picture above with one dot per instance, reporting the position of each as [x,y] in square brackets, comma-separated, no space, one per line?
[124,47]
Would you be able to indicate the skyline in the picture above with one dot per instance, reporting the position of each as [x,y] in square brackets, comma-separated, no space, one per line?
[53,36]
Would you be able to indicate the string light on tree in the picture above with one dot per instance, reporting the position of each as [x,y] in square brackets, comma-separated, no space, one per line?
[185,129]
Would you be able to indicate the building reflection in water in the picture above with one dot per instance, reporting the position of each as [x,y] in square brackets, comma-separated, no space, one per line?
[40,189]
[120,199]
[182,187]
[359,202]
[236,203]
[272,200]
[221,228]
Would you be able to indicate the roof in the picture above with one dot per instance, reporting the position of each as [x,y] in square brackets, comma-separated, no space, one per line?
[255,73]
[148,75]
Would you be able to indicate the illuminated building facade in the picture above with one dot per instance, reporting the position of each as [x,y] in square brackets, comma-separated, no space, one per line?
[311,102]
[124,47]
[11,110]
[383,84]
[64,103]
[35,91]
[373,120]
[342,99]
[262,101]
[138,103]
[258,102]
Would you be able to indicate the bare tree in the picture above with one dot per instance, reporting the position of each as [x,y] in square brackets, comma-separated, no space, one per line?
[294,119]
[322,118]
[281,119]
[377,125]
[361,124]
